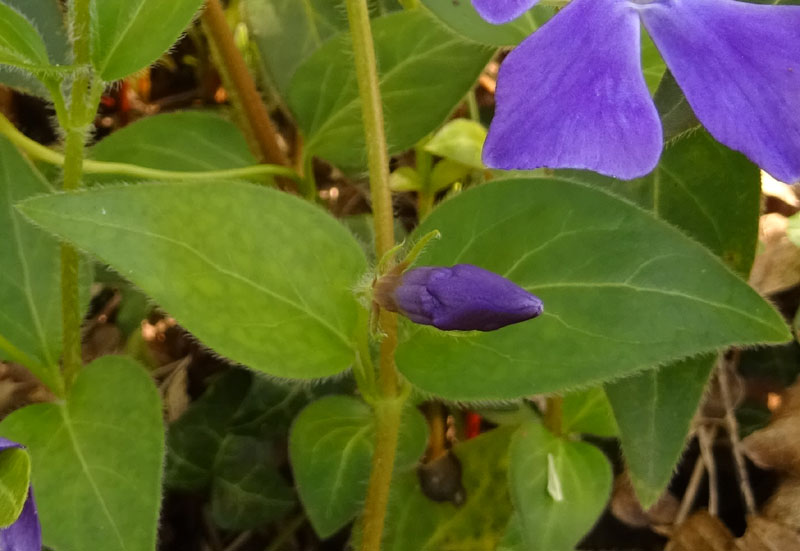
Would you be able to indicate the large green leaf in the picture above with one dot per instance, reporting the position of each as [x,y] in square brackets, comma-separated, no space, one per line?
[15,479]
[461,17]
[588,412]
[97,459]
[128,35]
[306,25]
[331,446]
[30,293]
[416,523]
[183,141]
[622,291]
[21,45]
[713,194]
[49,21]
[261,277]
[559,487]
[425,70]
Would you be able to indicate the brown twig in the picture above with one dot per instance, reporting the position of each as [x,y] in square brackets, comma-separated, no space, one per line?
[243,90]
[693,487]
[705,439]
[723,366]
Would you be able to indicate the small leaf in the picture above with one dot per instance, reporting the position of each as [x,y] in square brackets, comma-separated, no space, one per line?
[662,298]
[405,178]
[677,116]
[248,491]
[447,172]
[262,277]
[558,487]
[588,412]
[459,140]
[128,35]
[417,523]
[653,65]
[100,451]
[424,73]
[181,141]
[331,446]
[463,19]
[15,479]
[21,45]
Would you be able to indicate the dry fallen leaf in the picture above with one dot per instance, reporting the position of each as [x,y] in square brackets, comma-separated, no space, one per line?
[784,505]
[777,446]
[765,535]
[701,532]
[777,265]
[626,508]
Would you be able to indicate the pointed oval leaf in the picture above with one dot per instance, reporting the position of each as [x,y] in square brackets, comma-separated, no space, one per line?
[262,277]
[128,35]
[330,447]
[425,70]
[541,462]
[15,479]
[622,292]
[459,140]
[588,412]
[181,141]
[101,453]
[713,194]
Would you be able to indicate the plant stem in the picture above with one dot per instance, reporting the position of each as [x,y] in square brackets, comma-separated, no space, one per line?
[388,408]
[554,414]
[78,119]
[242,87]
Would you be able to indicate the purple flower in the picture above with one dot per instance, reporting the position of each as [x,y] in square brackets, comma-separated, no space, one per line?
[25,534]
[572,95]
[463,297]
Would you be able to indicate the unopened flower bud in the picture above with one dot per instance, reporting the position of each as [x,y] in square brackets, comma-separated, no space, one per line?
[462,297]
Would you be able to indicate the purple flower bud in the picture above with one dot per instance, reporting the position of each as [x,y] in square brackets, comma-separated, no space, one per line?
[25,534]
[463,297]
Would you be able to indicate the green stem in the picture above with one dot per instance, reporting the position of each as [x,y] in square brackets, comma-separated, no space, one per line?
[77,121]
[426,196]
[388,408]
[39,152]
[553,416]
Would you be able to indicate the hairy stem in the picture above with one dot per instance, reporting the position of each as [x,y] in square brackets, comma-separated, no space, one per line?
[240,82]
[388,408]
[77,121]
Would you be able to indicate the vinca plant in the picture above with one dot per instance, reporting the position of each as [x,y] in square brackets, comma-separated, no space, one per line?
[570,284]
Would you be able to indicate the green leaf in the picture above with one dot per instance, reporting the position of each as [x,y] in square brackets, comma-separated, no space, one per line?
[416,523]
[128,35]
[405,178]
[183,141]
[305,25]
[540,462]
[713,194]
[96,459]
[30,292]
[654,410]
[462,18]
[793,229]
[424,73]
[653,65]
[248,491]
[49,20]
[459,140]
[331,446]
[237,403]
[21,45]
[15,478]
[262,277]
[588,412]
[622,291]
[677,116]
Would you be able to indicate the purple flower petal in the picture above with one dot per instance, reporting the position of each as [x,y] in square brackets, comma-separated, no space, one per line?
[502,11]
[463,297]
[572,95]
[25,534]
[739,66]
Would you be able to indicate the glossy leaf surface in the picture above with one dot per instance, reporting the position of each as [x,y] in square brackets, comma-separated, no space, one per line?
[662,297]
[97,456]
[218,257]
